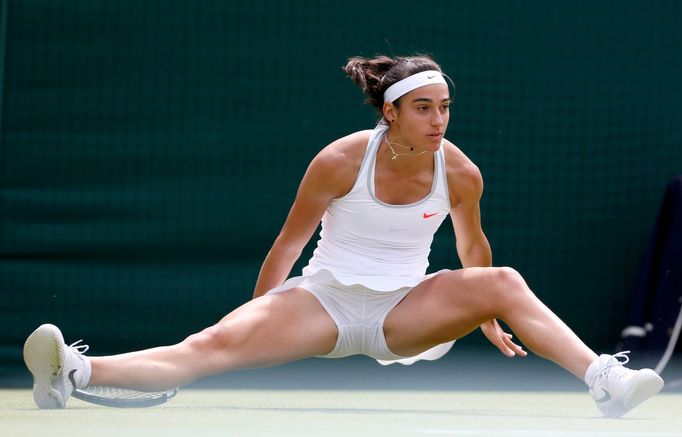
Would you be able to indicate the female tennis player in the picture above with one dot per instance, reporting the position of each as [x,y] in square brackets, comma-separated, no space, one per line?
[381,195]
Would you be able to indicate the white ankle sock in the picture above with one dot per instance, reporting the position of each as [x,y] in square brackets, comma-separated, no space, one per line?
[87,372]
[589,374]
[593,368]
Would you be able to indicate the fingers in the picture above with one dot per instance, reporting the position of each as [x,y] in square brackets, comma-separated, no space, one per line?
[508,350]
[503,343]
[502,340]
[512,347]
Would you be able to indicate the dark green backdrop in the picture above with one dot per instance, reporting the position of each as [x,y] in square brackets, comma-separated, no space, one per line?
[150,150]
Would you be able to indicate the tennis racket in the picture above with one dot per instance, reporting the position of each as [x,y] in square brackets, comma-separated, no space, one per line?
[123,398]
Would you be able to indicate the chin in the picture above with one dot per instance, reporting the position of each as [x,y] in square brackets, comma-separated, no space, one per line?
[434,144]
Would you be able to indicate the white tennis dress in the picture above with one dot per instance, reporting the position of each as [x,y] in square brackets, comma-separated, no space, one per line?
[370,255]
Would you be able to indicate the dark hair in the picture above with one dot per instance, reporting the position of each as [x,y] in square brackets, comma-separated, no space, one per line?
[375,75]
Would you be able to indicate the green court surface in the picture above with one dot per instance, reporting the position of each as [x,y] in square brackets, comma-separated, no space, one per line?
[467,393]
[345,413]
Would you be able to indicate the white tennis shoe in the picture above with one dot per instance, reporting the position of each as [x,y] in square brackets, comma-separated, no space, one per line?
[57,369]
[617,389]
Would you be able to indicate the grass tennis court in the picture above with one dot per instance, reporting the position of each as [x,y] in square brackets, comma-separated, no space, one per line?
[345,413]
[467,393]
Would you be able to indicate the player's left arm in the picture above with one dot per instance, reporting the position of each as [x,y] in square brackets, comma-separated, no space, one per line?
[465,184]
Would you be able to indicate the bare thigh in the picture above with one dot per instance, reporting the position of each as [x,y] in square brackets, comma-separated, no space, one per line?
[443,308]
[449,306]
[272,329]
[277,328]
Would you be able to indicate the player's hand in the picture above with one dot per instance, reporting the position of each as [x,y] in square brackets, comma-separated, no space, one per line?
[493,331]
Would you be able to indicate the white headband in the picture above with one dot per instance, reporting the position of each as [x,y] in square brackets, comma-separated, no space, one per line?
[402,87]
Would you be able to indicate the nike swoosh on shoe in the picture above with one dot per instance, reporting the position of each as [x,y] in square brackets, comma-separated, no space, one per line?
[605,398]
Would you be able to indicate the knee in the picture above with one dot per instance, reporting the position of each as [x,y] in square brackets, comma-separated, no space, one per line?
[510,284]
[509,277]
[213,338]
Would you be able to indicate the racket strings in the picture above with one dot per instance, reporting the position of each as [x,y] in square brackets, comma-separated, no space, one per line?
[119,393]
[122,397]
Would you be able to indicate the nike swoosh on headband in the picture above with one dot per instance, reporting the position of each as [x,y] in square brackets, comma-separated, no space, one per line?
[402,87]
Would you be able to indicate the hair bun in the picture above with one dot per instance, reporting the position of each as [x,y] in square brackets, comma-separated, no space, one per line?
[368,73]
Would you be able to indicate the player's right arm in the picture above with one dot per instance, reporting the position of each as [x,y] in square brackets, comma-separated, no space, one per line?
[331,174]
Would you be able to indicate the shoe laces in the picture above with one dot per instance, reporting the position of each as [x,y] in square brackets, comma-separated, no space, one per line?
[614,367]
[79,348]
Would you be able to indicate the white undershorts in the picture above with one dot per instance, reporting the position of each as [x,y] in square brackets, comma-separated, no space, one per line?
[359,313]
